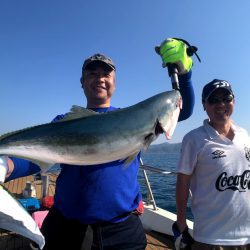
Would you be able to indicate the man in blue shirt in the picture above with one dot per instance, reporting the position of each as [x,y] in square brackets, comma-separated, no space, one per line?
[104,196]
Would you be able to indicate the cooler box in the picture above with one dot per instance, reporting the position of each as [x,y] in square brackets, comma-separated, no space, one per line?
[30,204]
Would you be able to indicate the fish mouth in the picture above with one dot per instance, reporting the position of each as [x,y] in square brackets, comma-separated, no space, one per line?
[158,128]
[154,134]
[157,131]
[168,127]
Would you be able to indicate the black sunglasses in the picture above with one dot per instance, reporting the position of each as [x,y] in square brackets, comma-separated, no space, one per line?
[225,99]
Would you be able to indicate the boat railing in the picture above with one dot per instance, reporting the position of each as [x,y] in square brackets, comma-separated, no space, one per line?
[150,197]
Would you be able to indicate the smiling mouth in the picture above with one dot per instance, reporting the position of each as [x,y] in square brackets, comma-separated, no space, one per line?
[100,87]
[221,112]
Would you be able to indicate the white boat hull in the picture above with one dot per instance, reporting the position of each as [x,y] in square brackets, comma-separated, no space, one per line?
[160,220]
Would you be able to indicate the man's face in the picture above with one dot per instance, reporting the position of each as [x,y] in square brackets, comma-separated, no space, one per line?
[219,106]
[99,84]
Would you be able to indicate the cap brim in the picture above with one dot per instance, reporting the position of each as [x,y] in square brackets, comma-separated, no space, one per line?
[228,90]
[100,61]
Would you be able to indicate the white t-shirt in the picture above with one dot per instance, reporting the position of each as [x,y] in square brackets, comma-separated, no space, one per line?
[220,184]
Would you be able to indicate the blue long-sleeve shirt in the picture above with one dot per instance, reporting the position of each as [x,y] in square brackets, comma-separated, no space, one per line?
[102,192]
[187,93]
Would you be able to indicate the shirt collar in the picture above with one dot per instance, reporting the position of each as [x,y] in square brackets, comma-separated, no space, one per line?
[212,133]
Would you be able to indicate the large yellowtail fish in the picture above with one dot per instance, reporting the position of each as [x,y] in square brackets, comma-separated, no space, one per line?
[85,137]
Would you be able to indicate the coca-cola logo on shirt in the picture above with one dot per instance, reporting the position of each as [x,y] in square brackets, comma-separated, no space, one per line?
[236,183]
[239,183]
[247,153]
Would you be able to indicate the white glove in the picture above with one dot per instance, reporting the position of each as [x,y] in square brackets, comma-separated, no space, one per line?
[3,168]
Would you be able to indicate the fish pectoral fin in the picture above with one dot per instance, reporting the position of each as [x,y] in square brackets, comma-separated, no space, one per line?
[130,158]
[78,112]
[148,140]
[43,165]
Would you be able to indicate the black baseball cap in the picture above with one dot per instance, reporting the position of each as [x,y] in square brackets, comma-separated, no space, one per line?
[98,58]
[210,87]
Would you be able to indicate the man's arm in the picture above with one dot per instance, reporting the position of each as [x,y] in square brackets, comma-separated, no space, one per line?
[6,167]
[182,194]
[15,168]
[173,52]
[188,97]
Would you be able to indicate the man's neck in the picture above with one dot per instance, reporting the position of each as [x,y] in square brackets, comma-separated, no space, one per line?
[97,106]
[224,129]
[91,105]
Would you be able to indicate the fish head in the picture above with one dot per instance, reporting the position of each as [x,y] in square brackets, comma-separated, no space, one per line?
[168,117]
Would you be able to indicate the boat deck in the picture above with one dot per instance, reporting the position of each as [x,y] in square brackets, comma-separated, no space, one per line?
[12,241]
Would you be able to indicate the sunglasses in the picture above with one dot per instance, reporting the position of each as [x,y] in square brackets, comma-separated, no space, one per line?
[225,99]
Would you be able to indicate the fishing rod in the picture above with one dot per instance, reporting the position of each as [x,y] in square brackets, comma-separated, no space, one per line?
[180,48]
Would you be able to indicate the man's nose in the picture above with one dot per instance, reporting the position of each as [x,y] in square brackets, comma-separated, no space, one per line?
[100,75]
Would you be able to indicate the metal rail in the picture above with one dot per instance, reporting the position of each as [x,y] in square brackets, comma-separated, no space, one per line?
[150,196]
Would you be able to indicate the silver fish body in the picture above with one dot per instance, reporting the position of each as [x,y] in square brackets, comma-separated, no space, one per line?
[85,137]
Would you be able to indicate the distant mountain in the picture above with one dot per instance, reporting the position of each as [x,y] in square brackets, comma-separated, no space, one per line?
[164,147]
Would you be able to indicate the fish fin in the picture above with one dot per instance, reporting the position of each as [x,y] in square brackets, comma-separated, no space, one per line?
[84,111]
[130,158]
[148,140]
[43,165]
[78,112]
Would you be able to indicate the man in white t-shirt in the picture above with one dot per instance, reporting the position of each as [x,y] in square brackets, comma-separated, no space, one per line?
[215,165]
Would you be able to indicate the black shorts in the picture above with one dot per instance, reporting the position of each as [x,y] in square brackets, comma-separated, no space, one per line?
[61,233]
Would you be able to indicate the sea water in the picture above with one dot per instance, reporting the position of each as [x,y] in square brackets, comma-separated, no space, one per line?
[163,187]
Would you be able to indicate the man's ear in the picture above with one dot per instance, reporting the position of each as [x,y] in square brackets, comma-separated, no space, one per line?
[81,81]
[203,104]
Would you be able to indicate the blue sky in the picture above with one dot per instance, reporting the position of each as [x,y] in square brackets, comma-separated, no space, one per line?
[43,45]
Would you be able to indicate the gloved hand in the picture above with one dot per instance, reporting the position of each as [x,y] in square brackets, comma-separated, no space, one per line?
[181,240]
[3,168]
[173,51]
